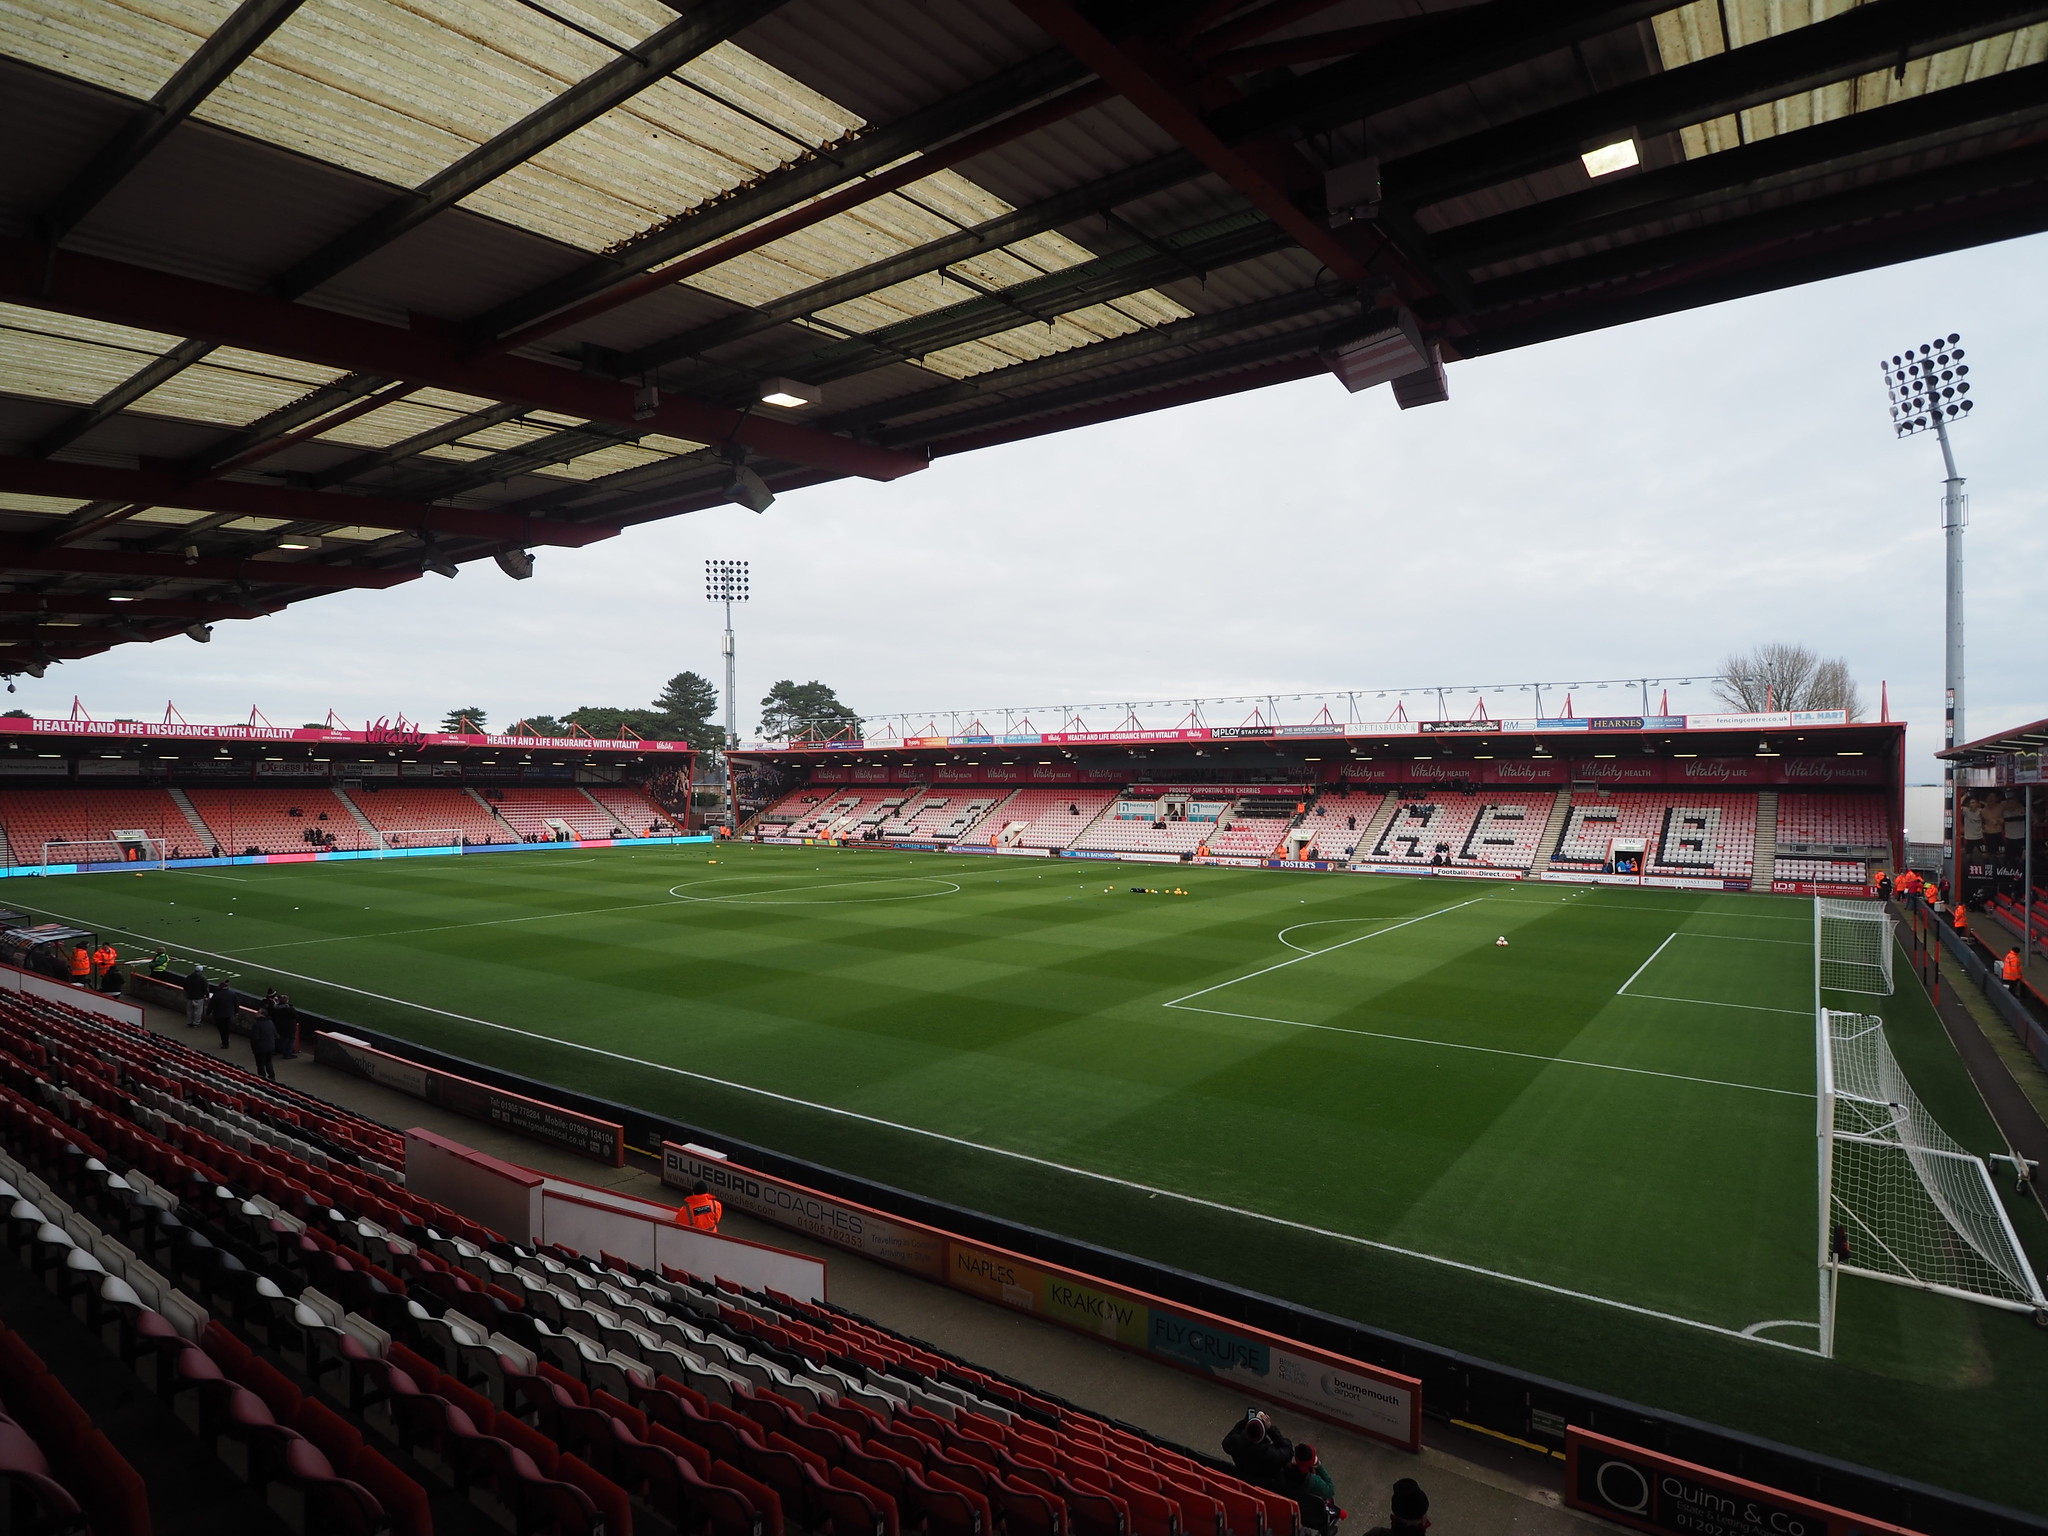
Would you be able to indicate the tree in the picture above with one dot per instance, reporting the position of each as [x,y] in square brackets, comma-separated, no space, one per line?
[686,704]
[1780,675]
[791,706]
[611,723]
[540,725]
[465,721]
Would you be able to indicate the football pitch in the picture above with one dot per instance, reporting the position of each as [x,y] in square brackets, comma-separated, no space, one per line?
[1588,1152]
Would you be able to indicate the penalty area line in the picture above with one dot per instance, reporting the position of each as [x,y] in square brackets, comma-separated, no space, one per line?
[1310,954]
[1622,990]
[1350,1239]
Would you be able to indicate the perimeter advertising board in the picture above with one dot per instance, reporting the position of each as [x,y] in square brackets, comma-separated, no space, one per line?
[1380,1403]
[1657,1493]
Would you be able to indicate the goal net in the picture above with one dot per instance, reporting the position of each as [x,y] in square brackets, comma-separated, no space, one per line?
[419,837]
[1852,945]
[137,848]
[1905,1203]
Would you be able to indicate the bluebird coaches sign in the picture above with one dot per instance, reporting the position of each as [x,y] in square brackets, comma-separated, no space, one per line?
[1653,1492]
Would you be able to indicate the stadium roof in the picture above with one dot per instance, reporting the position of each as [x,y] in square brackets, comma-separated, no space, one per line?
[2020,739]
[306,295]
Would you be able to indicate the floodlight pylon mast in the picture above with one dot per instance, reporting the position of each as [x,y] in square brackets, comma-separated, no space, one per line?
[727,581]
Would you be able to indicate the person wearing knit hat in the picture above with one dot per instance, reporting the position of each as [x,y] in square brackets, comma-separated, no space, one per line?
[1258,1449]
[1305,1481]
[1407,1511]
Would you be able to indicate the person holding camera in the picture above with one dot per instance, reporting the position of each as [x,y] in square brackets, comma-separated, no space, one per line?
[1258,1450]
[1407,1511]
[1305,1481]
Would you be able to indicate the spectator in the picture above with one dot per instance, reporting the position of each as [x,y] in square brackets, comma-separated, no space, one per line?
[195,996]
[286,1018]
[1258,1450]
[263,1042]
[1408,1510]
[220,1011]
[1304,1481]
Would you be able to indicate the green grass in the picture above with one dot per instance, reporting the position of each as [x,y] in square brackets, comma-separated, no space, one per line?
[1588,1154]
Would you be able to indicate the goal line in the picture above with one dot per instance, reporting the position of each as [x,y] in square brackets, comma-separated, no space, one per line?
[418,839]
[136,848]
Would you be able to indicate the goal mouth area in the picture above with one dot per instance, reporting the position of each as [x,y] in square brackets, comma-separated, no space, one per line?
[128,850]
[422,840]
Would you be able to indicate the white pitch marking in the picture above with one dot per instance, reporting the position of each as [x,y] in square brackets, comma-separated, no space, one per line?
[200,874]
[1490,1050]
[748,900]
[1623,988]
[1310,953]
[1705,1002]
[1043,1162]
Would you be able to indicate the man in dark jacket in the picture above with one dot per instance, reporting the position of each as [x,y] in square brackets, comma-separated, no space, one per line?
[1304,1481]
[263,1041]
[195,996]
[220,1009]
[1257,1449]
[286,1018]
[1408,1511]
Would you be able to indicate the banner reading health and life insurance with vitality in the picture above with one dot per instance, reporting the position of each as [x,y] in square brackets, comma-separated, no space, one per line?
[1380,1403]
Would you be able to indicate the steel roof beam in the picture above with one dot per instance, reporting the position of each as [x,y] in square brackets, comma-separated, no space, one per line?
[1879,35]
[429,352]
[993,234]
[434,437]
[98,605]
[1693,185]
[704,26]
[779,190]
[1437,53]
[122,395]
[241,498]
[219,56]
[24,555]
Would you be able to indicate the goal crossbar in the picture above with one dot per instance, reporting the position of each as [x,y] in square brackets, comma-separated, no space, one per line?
[135,848]
[402,839]
[1902,1201]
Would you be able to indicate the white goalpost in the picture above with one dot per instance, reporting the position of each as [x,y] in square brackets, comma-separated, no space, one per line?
[1900,1200]
[1852,946]
[418,837]
[138,849]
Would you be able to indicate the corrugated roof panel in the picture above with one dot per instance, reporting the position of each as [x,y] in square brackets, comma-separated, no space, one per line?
[451,401]
[50,506]
[131,48]
[389,424]
[51,323]
[57,368]
[661,442]
[367,535]
[169,517]
[230,397]
[504,434]
[1708,27]
[256,524]
[1079,329]
[271,366]
[602,462]
[671,147]
[366,83]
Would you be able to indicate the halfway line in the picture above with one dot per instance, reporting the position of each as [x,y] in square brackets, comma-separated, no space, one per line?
[1310,954]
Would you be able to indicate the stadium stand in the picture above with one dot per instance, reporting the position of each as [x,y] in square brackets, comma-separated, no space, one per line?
[1165,824]
[429,810]
[38,816]
[827,816]
[947,815]
[1343,820]
[1046,816]
[1683,834]
[335,1337]
[1829,823]
[1494,829]
[276,820]
[1253,830]
[1829,871]
[529,811]
[633,810]
[62,1473]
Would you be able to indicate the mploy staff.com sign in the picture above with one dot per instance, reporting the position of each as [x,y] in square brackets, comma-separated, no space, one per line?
[1659,1493]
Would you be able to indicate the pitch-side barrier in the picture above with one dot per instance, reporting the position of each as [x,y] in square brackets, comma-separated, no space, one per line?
[337,855]
[1453,1387]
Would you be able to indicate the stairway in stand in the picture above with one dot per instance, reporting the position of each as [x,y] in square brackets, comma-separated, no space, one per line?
[1764,867]
[199,826]
[1553,833]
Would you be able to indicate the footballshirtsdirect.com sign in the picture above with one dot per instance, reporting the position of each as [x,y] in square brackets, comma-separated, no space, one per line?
[1658,1493]
[1384,1404]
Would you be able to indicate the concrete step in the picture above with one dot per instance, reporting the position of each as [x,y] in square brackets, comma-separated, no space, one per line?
[1553,833]
[1764,863]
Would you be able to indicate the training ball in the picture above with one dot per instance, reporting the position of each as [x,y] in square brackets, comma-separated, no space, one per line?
[1502,942]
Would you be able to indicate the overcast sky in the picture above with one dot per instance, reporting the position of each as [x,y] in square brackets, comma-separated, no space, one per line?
[1635,501]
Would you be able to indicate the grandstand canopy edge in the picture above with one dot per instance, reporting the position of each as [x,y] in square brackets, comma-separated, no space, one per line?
[337,297]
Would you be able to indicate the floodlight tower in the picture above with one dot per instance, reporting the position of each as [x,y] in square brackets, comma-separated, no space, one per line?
[725,581]
[1929,388]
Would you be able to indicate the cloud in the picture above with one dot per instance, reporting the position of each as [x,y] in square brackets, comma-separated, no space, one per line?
[1635,502]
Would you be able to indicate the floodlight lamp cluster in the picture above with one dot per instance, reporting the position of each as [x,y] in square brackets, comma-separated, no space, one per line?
[725,581]
[1929,385]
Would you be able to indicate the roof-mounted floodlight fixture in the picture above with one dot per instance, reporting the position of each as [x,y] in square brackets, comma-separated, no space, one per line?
[789,393]
[433,560]
[745,487]
[516,563]
[1929,385]
[203,633]
[1617,155]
